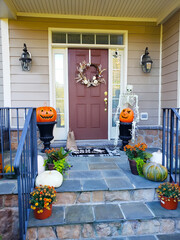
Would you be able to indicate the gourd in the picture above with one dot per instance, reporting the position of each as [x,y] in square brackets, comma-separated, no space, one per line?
[51,178]
[46,114]
[41,167]
[126,115]
[157,157]
[7,168]
[155,172]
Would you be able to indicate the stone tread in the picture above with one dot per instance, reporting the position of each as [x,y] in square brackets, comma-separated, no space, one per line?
[80,214]
[148,237]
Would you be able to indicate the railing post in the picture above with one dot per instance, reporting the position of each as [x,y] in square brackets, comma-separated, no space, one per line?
[33,139]
[164,137]
[171,145]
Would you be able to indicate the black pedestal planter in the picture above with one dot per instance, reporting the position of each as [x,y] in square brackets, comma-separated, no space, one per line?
[125,133]
[46,133]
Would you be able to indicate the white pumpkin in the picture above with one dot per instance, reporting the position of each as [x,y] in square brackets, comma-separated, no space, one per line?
[51,178]
[157,157]
[40,161]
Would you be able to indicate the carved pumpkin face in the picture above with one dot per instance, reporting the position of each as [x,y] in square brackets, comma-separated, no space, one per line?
[46,114]
[126,115]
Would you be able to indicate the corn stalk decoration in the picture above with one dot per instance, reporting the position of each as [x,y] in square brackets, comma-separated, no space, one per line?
[96,79]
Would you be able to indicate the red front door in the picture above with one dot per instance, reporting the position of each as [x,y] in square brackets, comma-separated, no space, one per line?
[87,116]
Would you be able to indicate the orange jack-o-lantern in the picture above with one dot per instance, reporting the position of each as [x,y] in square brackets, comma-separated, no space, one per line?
[126,115]
[46,114]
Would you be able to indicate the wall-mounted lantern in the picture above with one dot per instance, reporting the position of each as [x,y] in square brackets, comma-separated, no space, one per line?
[25,59]
[146,62]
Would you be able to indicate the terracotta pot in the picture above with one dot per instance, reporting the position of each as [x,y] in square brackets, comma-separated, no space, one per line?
[132,164]
[50,166]
[45,214]
[169,203]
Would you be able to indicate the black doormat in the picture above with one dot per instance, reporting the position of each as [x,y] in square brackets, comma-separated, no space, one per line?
[90,152]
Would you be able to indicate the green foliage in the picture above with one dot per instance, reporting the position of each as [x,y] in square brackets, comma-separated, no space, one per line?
[62,166]
[139,164]
[147,155]
[55,155]
[58,158]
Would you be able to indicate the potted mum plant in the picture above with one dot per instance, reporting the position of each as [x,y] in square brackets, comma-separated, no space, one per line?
[169,194]
[137,157]
[56,160]
[41,200]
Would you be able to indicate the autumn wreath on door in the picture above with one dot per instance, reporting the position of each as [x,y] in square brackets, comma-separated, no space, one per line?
[96,79]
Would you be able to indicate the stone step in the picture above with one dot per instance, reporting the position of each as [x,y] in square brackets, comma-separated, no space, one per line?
[106,220]
[101,197]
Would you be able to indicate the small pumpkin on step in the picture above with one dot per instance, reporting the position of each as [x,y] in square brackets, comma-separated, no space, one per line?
[155,172]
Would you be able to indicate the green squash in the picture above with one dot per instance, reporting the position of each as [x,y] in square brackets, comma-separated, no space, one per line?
[155,172]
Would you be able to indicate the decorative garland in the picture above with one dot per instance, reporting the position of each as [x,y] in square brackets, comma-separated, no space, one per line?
[96,80]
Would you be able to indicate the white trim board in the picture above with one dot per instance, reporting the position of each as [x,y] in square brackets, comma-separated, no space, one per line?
[178,82]
[6,62]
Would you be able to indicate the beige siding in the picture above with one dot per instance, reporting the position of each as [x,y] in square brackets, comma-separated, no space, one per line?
[32,88]
[1,72]
[170,61]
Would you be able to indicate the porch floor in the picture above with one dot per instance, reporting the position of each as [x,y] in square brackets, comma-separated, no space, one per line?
[102,173]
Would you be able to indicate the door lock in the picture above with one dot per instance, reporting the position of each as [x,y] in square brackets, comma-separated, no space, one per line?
[105,102]
[105,93]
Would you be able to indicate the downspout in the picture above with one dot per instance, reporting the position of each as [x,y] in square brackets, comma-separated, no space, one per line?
[160,74]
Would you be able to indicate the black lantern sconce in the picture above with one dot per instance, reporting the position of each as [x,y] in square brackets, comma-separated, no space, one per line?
[25,59]
[146,62]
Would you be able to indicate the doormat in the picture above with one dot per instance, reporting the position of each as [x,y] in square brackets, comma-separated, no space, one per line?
[90,152]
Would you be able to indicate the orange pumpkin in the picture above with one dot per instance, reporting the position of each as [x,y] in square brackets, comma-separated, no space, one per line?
[126,115]
[46,114]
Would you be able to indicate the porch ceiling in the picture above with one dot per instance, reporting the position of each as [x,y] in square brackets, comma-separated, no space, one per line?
[123,10]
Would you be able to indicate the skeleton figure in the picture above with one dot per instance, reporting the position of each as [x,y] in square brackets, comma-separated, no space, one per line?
[127,99]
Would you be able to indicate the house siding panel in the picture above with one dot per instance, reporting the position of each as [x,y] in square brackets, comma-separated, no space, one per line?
[1,73]
[34,32]
[170,61]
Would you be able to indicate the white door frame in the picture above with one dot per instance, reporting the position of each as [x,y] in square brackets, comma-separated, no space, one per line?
[122,48]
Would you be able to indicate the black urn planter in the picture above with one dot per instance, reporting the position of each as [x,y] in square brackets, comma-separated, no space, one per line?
[46,133]
[125,133]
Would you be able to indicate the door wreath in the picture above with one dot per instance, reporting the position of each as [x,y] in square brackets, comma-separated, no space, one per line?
[96,79]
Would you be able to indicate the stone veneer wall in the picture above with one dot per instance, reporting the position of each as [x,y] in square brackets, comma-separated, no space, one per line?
[153,137]
[9,217]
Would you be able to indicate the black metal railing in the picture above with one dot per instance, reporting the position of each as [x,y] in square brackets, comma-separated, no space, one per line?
[11,125]
[170,143]
[25,166]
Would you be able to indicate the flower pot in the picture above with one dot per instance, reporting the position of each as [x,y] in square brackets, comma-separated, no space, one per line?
[50,166]
[132,164]
[46,133]
[169,203]
[45,214]
[125,133]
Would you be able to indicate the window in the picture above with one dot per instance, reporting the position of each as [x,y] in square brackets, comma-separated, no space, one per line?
[59,88]
[116,81]
[87,38]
